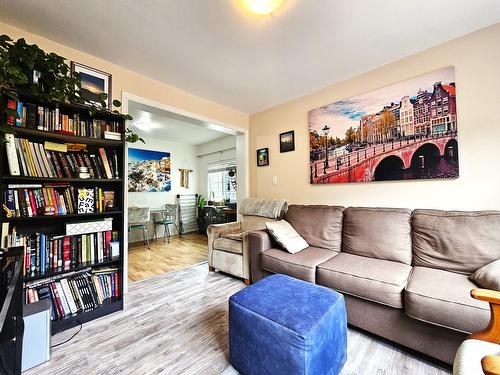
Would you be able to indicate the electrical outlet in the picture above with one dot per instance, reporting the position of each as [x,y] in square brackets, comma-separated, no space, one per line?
[275,180]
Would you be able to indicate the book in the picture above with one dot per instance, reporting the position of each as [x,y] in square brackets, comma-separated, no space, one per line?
[19,120]
[85,200]
[12,155]
[11,104]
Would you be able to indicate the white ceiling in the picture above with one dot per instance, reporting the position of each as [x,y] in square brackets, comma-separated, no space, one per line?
[168,126]
[213,49]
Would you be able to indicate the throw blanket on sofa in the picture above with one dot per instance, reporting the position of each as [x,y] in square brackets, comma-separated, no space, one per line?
[265,207]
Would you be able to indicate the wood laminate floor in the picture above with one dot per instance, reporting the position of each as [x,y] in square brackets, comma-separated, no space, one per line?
[176,323]
[186,251]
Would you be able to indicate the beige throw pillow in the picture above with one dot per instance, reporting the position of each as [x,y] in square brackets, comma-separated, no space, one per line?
[286,236]
[488,277]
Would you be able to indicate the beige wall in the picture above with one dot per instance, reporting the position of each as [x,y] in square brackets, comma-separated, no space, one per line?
[137,84]
[476,58]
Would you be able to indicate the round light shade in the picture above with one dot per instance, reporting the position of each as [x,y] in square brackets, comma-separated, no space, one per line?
[262,7]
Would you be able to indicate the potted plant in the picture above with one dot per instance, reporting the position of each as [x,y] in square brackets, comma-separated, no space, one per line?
[211,199]
[26,68]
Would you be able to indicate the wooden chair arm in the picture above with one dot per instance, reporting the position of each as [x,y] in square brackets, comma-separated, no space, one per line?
[491,296]
[492,332]
[491,365]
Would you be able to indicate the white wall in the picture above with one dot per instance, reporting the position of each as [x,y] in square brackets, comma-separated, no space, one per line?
[220,150]
[182,155]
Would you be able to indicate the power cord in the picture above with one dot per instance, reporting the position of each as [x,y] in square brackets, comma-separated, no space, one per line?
[72,337]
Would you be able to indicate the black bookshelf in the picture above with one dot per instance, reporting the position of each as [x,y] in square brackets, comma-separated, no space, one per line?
[55,225]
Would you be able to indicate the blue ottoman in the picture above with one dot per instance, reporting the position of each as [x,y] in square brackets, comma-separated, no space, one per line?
[282,325]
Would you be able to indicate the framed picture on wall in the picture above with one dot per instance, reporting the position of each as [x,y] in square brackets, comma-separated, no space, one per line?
[262,157]
[94,82]
[148,171]
[287,141]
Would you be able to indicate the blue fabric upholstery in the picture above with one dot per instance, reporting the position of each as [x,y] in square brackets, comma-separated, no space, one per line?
[282,325]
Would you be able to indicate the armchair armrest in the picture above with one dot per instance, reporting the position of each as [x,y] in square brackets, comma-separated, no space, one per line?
[258,241]
[492,332]
[491,365]
[215,230]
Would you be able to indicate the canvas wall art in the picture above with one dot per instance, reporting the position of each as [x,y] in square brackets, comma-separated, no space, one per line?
[148,171]
[406,131]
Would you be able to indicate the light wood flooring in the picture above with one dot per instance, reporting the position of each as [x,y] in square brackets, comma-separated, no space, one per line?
[163,257]
[176,323]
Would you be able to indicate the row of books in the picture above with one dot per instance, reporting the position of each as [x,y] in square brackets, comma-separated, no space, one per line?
[32,159]
[77,293]
[45,254]
[29,200]
[34,116]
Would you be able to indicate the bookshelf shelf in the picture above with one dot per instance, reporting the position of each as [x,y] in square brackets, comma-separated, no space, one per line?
[70,322]
[46,135]
[83,266]
[66,188]
[12,179]
[65,217]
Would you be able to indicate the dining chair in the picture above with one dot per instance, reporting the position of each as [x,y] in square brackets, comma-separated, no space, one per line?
[167,217]
[138,218]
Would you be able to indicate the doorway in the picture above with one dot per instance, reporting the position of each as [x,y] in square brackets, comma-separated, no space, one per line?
[200,159]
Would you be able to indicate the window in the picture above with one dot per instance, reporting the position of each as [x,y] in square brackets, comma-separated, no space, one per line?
[445,100]
[221,184]
[433,104]
[433,112]
[439,110]
[445,109]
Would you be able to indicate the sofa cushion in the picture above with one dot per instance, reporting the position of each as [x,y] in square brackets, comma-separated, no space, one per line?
[376,280]
[301,265]
[228,245]
[455,240]
[306,221]
[287,237]
[488,277]
[443,298]
[381,233]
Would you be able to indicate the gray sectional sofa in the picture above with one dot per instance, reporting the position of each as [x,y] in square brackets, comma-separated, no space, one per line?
[404,274]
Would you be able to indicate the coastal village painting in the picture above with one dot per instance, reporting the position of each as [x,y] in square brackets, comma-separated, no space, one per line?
[405,131]
[148,171]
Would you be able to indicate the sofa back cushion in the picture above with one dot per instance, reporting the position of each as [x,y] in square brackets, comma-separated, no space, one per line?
[458,241]
[320,226]
[381,233]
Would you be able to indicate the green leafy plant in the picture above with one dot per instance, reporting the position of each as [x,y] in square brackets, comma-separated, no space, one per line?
[27,69]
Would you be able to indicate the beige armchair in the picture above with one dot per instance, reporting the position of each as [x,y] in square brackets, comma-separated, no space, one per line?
[480,353]
[228,243]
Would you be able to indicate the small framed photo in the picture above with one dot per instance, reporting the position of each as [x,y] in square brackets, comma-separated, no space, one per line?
[287,141]
[94,82]
[262,157]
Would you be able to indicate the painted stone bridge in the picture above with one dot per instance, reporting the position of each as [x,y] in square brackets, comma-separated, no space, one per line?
[360,165]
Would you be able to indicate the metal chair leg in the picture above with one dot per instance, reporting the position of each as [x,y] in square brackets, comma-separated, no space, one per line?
[146,239]
[168,233]
[165,229]
[178,230]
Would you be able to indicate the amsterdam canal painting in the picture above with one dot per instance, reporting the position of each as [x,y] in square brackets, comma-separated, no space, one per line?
[405,131]
[148,171]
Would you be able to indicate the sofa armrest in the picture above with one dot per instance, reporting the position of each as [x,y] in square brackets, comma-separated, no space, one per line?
[491,365]
[492,332]
[258,241]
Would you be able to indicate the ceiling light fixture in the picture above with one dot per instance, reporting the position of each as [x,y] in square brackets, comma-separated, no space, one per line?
[262,7]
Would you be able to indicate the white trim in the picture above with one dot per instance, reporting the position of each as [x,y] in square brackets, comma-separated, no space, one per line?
[211,123]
